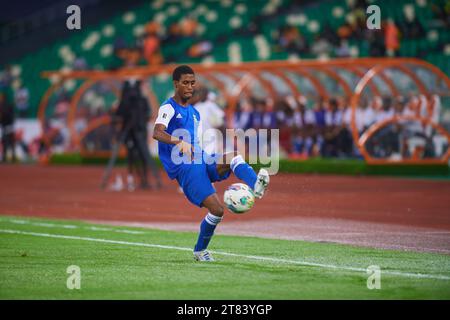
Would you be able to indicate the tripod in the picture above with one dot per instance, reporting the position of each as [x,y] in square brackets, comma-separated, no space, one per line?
[139,144]
[114,153]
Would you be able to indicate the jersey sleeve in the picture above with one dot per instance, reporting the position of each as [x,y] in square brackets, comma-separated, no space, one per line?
[165,114]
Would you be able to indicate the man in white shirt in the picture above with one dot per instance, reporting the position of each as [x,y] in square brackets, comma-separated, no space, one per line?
[304,122]
[211,117]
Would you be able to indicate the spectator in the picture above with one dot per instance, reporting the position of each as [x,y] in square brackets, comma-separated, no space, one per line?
[284,115]
[399,106]
[423,106]
[330,34]
[7,120]
[269,116]
[321,46]
[412,29]
[243,117]
[345,31]
[347,118]
[173,34]
[188,26]
[412,107]
[442,13]
[368,112]
[392,41]
[211,117]
[151,44]
[345,135]
[319,114]
[343,51]
[434,111]
[258,112]
[80,64]
[385,111]
[292,40]
[62,107]
[333,121]
[21,97]
[131,57]
[6,77]
[303,131]
[361,5]
[119,43]
[387,137]
[376,43]
[200,49]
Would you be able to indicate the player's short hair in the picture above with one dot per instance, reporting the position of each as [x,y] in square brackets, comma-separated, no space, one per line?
[180,70]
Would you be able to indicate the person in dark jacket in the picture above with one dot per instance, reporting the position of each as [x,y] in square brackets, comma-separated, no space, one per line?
[7,119]
[135,113]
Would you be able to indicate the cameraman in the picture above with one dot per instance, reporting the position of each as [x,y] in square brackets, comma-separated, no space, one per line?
[134,112]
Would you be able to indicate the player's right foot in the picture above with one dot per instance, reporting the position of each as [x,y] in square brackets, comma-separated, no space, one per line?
[203,255]
[262,183]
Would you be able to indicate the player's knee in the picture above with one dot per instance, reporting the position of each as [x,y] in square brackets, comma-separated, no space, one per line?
[217,210]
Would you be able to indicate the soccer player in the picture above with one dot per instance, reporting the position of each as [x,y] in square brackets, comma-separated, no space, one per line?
[196,177]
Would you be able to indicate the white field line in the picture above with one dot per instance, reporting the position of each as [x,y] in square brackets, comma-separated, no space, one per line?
[69,226]
[307,238]
[260,258]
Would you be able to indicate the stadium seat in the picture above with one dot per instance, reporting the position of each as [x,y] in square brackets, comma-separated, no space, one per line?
[220,22]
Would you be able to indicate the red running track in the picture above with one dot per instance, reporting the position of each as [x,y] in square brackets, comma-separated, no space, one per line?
[409,214]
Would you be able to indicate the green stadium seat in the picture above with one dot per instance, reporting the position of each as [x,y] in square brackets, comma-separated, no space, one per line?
[215,18]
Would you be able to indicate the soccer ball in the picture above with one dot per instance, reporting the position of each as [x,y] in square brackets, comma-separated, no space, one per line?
[239,198]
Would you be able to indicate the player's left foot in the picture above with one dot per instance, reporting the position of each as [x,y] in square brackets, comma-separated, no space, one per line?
[203,255]
[262,183]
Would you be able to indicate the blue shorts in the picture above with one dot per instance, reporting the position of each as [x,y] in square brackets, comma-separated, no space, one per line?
[196,181]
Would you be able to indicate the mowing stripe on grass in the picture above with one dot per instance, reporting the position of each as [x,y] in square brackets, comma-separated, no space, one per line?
[68,226]
[261,258]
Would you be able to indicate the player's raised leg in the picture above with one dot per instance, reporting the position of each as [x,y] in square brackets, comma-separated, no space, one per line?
[245,172]
[207,227]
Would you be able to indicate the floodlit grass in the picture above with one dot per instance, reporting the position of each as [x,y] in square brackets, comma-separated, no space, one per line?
[125,263]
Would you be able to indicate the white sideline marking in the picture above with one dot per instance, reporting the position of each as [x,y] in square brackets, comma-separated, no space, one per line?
[69,226]
[303,263]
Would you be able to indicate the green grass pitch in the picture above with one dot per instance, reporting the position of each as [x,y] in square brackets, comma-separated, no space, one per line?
[138,263]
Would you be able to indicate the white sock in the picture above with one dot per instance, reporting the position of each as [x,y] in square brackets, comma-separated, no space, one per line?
[212,219]
[237,160]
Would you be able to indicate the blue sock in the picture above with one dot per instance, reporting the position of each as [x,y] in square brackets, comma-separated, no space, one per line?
[243,171]
[207,228]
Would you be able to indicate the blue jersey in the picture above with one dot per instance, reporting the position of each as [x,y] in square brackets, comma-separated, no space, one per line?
[174,117]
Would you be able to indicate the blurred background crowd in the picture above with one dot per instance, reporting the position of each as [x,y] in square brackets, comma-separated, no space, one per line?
[140,33]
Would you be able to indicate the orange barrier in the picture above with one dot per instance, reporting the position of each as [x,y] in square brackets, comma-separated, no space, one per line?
[361,141]
[366,69]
